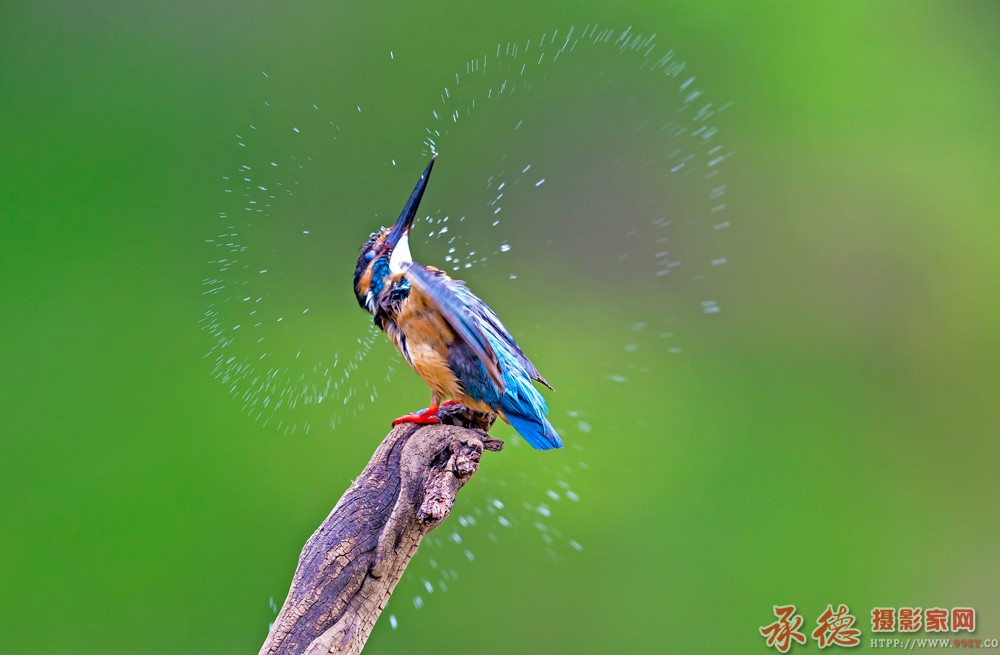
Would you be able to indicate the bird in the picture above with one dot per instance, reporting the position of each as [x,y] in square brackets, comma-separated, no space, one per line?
[448,335]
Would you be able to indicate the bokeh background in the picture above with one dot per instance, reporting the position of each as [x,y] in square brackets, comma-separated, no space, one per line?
[829,436]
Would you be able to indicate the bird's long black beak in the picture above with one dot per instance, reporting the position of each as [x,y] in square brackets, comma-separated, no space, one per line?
[405,220]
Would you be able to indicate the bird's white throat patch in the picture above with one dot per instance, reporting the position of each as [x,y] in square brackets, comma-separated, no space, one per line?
[400,255]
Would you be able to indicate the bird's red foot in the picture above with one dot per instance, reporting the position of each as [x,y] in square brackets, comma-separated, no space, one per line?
[426,417]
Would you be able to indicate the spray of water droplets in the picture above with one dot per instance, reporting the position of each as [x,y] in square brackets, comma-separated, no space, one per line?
[638,158]
[657,147]
[599,124]
[268,292]
[605,125]
[475,529]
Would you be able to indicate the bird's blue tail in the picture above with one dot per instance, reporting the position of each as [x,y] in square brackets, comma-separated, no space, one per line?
[535,428]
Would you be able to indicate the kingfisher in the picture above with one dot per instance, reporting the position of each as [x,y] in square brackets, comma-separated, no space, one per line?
[450,337]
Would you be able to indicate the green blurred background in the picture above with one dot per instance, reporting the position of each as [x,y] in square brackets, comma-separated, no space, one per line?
[828,437]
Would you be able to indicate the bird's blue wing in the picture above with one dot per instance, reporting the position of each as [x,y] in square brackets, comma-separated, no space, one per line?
[495,331]
[509,369]
[444,293]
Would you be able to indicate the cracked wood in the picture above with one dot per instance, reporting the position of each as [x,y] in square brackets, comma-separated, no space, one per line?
[350,565]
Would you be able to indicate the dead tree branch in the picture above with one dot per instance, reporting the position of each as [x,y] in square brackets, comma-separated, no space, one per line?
[350,565]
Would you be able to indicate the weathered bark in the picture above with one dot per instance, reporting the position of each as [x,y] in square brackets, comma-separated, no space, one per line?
[350,565]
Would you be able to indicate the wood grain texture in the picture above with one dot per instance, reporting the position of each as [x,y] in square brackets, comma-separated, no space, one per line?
[350,565]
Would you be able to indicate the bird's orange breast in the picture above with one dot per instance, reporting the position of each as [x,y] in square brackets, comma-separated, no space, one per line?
[428,337]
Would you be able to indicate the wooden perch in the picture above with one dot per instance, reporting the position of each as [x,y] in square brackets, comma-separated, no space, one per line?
[350,565]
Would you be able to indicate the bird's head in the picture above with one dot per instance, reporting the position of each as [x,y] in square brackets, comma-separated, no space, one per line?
[388,250]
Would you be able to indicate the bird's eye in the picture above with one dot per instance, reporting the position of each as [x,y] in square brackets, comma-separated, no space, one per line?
[369,255]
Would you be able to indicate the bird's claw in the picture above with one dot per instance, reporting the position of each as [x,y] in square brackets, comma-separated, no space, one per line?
[426,417]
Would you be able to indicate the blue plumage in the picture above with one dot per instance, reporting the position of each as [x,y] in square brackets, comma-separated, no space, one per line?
[535,428]
[525,409]
[450,337]
[487,346]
